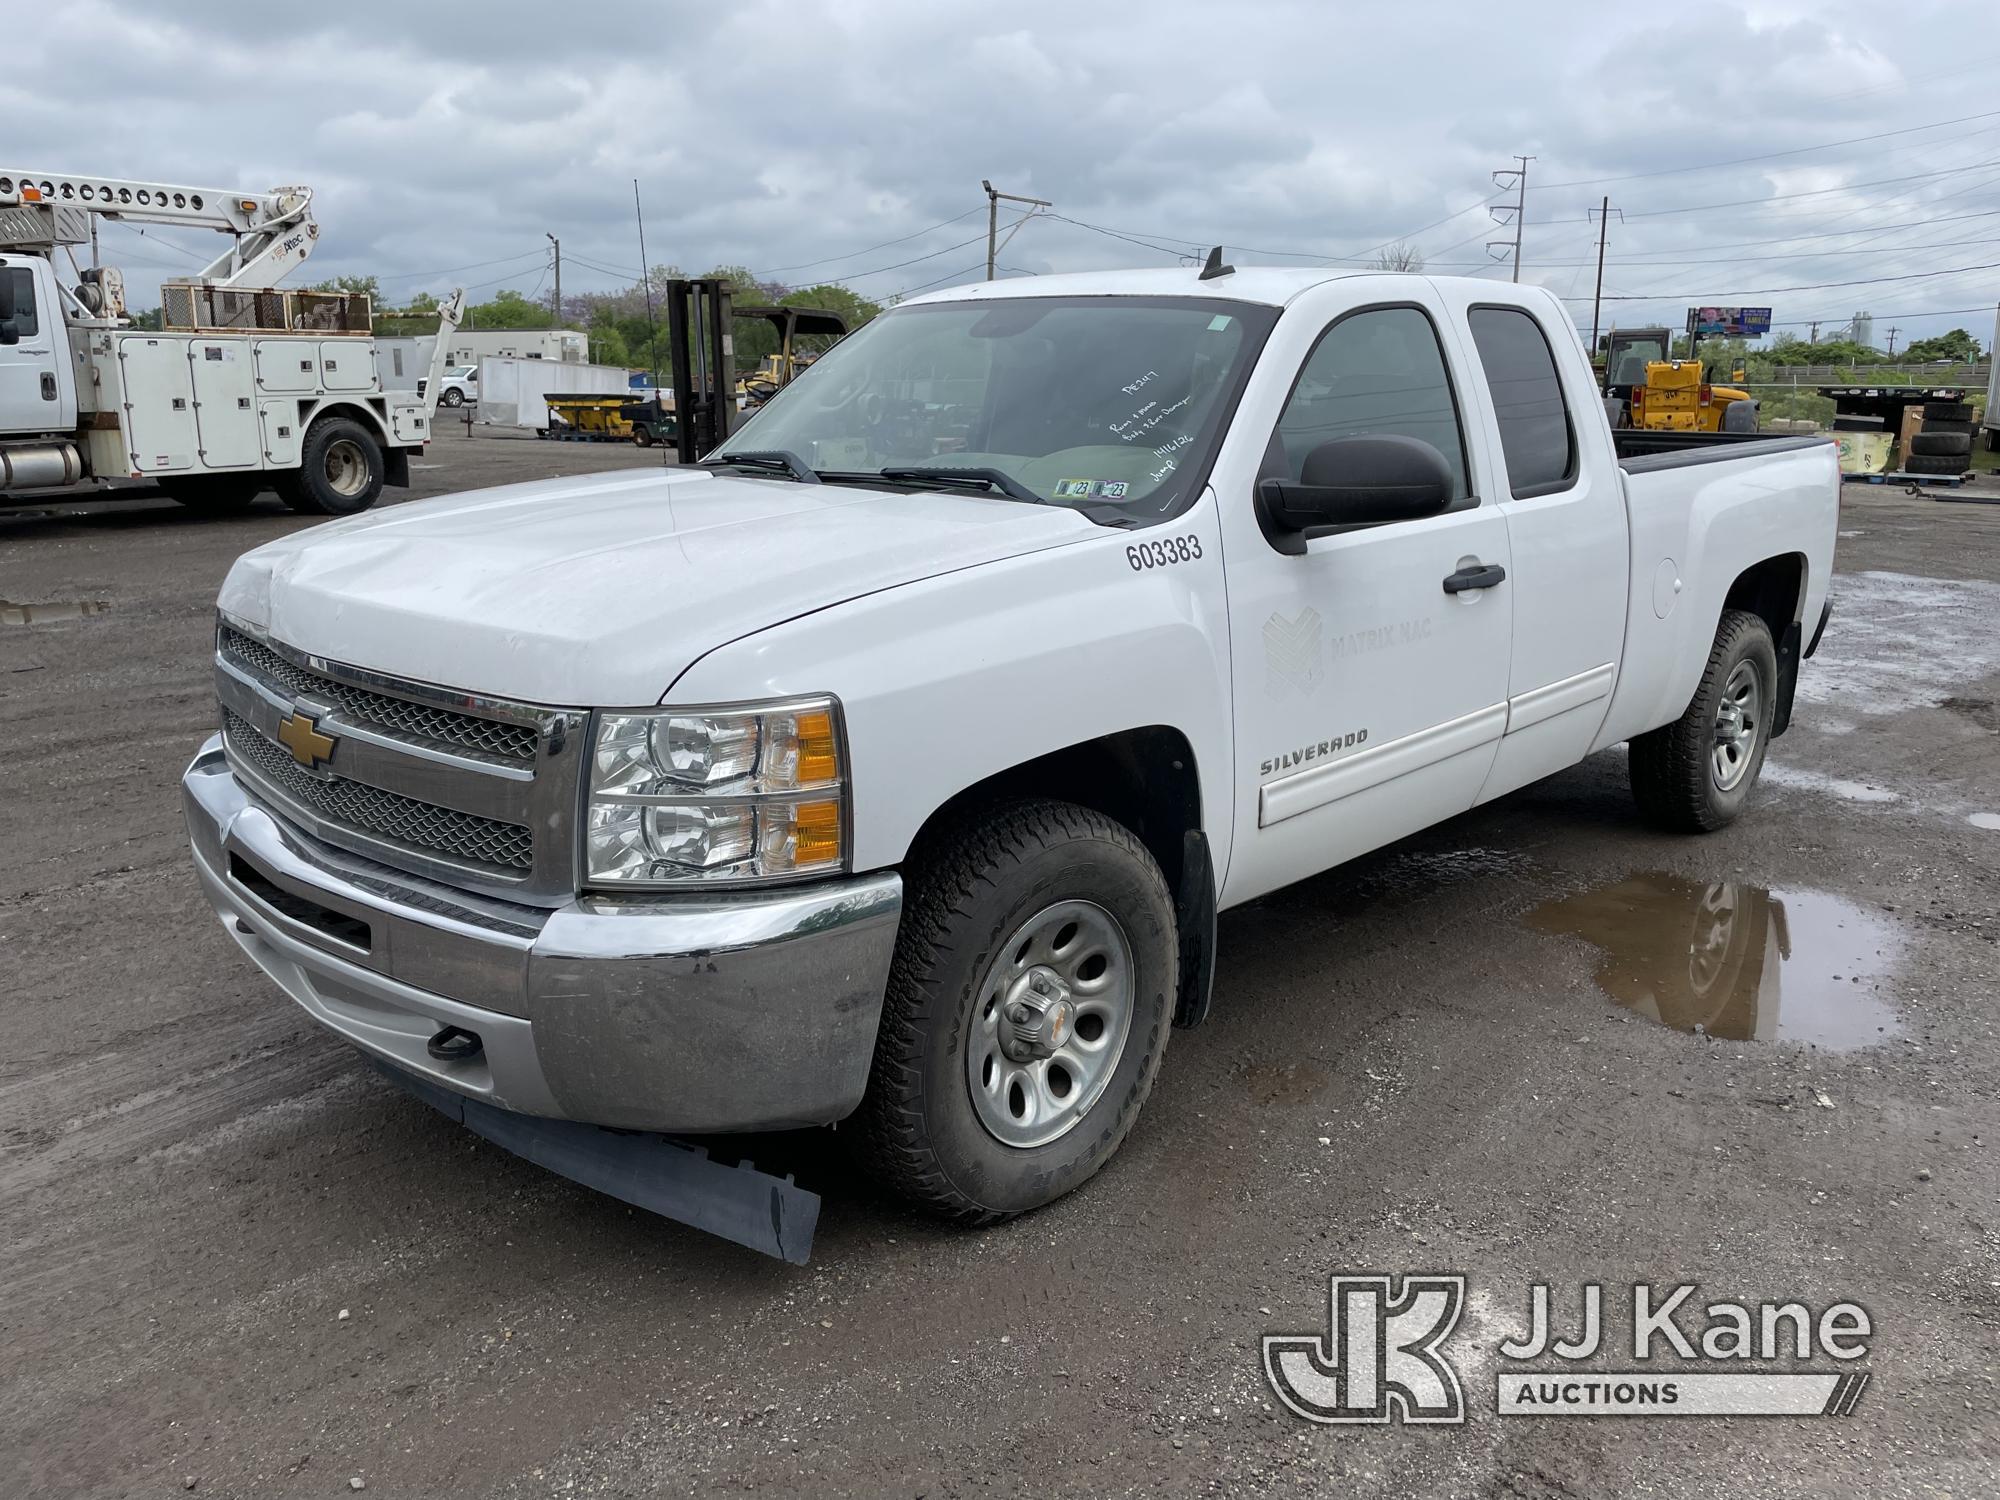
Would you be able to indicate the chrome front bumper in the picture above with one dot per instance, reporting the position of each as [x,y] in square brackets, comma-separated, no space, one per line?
[694,1014]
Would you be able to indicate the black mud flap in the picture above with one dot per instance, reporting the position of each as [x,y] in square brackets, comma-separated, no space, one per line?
[396,468]
[1194,913]
[671,1178]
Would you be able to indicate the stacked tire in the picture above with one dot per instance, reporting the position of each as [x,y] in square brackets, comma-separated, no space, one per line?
[1944,444]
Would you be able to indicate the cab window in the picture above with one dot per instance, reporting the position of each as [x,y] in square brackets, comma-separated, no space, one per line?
[1373,372]
[1536,434]
[25,322]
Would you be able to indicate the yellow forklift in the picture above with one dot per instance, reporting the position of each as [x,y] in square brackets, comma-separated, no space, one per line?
[1647,388]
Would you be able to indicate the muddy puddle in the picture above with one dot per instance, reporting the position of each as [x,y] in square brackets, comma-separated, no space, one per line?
[46,614]
[1736,961]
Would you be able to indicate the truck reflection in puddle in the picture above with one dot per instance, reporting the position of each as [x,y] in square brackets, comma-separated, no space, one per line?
[1737,961]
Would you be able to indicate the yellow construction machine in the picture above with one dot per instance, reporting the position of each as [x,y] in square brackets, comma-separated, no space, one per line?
[1645,387]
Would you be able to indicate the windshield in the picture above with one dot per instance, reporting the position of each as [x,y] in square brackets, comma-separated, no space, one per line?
[1094,401]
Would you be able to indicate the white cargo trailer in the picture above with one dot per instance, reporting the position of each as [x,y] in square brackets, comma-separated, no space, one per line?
[511,390]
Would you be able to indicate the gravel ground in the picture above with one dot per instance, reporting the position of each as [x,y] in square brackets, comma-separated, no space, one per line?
[237,1260]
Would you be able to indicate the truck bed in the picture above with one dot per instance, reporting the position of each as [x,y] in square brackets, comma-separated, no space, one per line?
[1640,451]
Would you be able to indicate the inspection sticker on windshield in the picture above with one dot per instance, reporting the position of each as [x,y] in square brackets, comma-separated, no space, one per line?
[1091,489]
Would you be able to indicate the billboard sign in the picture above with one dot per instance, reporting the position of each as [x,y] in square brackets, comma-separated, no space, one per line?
[1748,322]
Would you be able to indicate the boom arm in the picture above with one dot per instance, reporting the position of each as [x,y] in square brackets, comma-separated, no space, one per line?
[271,232]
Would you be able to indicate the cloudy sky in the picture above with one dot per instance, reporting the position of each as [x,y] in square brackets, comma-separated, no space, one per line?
[1796,153]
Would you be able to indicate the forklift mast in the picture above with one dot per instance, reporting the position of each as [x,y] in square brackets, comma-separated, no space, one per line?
[698,329]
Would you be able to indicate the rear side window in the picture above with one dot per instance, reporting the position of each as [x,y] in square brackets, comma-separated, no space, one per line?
[1536,433]
[1379,371]
[25,322]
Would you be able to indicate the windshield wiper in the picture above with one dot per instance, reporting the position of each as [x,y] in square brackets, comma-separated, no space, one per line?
[769,460]
[993,479]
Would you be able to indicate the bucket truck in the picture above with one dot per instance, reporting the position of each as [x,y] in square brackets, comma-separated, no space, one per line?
[245,387]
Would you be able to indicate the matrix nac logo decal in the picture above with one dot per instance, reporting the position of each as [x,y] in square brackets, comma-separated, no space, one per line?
[1379,1354]
[1292,658]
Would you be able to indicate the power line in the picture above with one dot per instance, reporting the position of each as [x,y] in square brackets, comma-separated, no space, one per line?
[869,249]
[473,266]
[1816,286]
[1740,161]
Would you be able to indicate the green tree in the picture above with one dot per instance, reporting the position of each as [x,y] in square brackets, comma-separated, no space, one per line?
[364,285]
[1957,345]
[508,309]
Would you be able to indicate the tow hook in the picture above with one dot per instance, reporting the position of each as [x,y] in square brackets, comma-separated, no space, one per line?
[455,1044]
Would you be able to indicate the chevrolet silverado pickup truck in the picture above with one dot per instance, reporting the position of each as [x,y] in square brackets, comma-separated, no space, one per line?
[890,767]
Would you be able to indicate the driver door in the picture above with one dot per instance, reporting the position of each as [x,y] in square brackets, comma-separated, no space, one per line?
[1369,699]
[32,389]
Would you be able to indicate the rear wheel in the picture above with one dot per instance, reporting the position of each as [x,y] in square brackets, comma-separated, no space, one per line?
[1028,1006]
[341,470]
[1694,775]
[215,494]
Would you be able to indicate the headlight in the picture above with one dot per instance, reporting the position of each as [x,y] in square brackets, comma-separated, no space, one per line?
[716,796]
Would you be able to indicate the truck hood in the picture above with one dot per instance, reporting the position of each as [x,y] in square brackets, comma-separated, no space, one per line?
[601,591]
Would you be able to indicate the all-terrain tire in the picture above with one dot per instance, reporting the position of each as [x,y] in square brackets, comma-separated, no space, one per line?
[1926,463]
[967,897]
[1674,779]
[1947,411]
[1928,444]
[341,470]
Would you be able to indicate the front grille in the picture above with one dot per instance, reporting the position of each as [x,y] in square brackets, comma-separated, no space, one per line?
[423,827]
[396,716]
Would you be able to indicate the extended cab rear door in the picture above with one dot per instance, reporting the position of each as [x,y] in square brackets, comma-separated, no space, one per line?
[1559,489]
[1368,700]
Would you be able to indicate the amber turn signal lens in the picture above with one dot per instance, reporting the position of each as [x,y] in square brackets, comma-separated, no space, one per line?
[816,833]
[819,755]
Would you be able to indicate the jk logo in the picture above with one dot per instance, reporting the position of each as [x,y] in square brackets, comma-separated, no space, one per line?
[1378,1359]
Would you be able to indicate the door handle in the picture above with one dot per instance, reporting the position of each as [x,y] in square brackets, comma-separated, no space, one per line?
[48,386]
[1482,577]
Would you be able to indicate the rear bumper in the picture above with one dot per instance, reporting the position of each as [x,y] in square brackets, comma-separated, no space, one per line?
[695,1014]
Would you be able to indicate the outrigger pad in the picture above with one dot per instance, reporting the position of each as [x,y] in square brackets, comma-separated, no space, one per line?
[674,1179]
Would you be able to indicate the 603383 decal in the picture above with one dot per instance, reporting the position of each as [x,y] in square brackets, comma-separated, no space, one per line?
[1163,553]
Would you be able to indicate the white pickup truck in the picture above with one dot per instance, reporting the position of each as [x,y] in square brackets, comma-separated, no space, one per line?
[892,766]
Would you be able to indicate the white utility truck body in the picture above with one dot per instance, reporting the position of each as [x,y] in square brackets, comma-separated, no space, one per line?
[900,757]
[248,388]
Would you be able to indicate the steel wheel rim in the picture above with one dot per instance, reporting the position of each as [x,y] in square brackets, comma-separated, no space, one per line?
[1081,955]
[1739,722]
[345,467]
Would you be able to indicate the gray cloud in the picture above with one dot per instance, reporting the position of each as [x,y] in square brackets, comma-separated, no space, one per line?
[773,134]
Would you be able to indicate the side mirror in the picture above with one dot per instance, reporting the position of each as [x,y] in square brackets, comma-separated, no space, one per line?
[9,334]
[7,308]
[1353,482]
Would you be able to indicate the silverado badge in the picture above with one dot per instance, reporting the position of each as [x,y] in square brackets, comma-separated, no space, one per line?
[299,733]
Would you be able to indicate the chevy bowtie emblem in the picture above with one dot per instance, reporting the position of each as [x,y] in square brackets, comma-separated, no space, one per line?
[299,733]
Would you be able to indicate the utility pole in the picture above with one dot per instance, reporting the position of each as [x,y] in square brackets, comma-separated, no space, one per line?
[556,305]
[1813,336]
[1604,213]
[1519,210]
[1893,331]
[994,245]
[646,279]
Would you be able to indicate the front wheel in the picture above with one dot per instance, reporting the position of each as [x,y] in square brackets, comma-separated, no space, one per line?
[452,397]
[1027,1010]
[1695,774]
